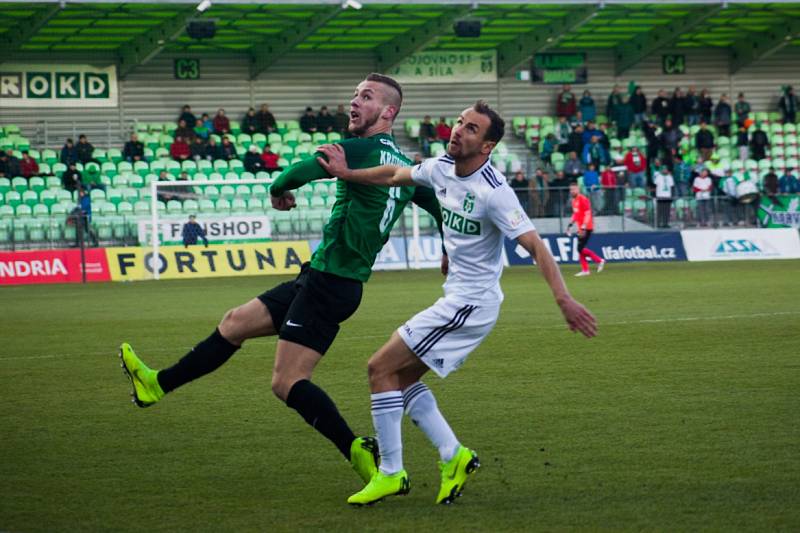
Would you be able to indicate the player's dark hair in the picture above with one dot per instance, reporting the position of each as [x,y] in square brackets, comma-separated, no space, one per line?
[386,80]
[497,126]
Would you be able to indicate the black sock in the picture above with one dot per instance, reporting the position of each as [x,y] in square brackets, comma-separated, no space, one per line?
[321,413]
[204,358]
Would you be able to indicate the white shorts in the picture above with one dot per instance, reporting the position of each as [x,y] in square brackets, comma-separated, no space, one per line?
[444,334]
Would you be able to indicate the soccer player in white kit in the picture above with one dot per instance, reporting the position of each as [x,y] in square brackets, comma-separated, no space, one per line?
[478,210]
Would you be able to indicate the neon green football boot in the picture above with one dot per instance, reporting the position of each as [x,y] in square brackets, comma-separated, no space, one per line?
[455,474]
[380,486]
[146,390]
[364,457]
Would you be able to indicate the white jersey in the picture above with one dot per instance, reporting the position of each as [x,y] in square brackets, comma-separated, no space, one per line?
[477,210]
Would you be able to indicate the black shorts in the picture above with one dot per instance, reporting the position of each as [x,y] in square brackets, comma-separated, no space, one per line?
[583,240]
[309,309]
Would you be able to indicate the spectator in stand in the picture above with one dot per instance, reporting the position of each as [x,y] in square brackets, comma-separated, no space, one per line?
[184,131]
[325,121]
[167,193]
[664,183]
[69,153]
[417,159]
[639,105]
[250,122]
[604,137]
[187,117]
[722,116]
[252,160]
[589,132]
[653,144]
[265,120]
[591,184]
[661,107]
[342,119]
[213,150]
[702,186]
[198,150]
[566,103]
[594,153]
[191,231]
[608,180]
[636,165]
[561,133]
[706,106]
[92,178]
[85,149]
[683,174]
[221,123]
[743,143]
[520,186]
[308,122]
[71,179]
[670,141]
[443,131]
[4,165]
[692,107]
[728,187]
[575,141]
[625,118]
[771,187]
[558,195]
[586,107]
[612,104]
[427,135]
[208,123]
[228,150]
[742,109]
[270,159]
[549,145]
[677,106]
[13,165]
[200,130]
[704,141]
[133,150]
[573,168]
[788,183]
[28,167]
[759,142]
[577,119]
[540,184]
[179,150]
[788,105]
[82,217]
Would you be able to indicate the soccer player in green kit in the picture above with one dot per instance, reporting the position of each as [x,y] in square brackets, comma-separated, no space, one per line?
[305,313]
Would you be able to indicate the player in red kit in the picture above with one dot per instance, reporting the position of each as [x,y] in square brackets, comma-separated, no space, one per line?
[582,218]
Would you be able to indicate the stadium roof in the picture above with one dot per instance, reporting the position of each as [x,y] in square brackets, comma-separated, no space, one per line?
[131,33]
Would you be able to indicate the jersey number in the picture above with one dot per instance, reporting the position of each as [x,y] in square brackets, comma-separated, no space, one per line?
[391,203]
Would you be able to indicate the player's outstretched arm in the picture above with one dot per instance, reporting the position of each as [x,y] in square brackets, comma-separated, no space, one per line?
[336,165]
[577,316]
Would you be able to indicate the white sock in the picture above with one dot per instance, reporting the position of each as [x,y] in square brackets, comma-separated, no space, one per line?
[387,417]
[421,407]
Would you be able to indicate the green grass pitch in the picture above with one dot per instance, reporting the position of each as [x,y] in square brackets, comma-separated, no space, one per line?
[683,414]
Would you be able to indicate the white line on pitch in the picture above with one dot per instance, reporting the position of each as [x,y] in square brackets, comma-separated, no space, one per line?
[554,326]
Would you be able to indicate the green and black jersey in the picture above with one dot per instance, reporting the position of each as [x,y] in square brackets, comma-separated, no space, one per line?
[363,215]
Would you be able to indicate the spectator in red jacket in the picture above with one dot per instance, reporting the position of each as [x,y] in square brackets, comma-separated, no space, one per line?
[28,166]
[566,104]
[443,130]
[270,159]
[179,150]
[636,164]
[608,179]
[221,123]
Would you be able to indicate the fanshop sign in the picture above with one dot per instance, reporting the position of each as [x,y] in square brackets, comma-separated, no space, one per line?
[57,86]
[218,230]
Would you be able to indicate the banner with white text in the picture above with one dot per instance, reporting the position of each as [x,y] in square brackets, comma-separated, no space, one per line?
[57,85]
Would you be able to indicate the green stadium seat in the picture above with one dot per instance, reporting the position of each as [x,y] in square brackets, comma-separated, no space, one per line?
[204,166]
[23,210]
[141,208]
[223,205]
[97,195]
[206,206]
[100,155]
[108,169]
[236,166]
[190,206]
[13,198]
[114,155]
[30,198]
[292,138]
[120,180]
[227,192]
[19,184]
[236,128]
[36,183]
[334,137]
[114,195]
[220,165]
[41,210]
[61,208]
[125,208]
[239,205]
[255,204]
[259,191]
[189,166]
[6,211]
[5,185]
[211,192]
[48,197]
[105,208]
[260,140]
[173,167]
[174,207]
[135,180]
[242,191]
[231,176]
[59,169]
[124,167]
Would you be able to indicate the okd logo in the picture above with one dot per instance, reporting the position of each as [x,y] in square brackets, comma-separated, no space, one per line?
[55,85]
